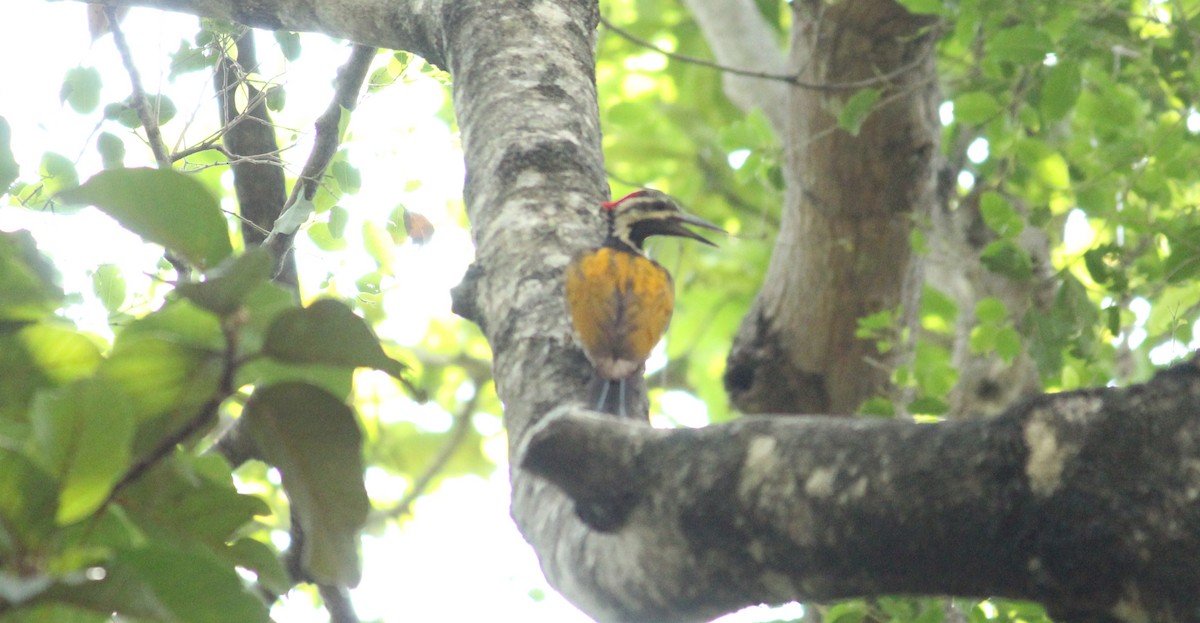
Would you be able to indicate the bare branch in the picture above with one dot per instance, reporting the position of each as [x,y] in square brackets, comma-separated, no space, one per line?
[140,104]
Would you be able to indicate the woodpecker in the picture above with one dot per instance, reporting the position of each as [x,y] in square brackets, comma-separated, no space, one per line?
[619,300]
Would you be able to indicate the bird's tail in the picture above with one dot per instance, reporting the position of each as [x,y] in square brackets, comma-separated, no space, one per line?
[615,397]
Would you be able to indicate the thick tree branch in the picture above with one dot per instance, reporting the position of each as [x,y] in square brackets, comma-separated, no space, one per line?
[414,25]
[1085,501]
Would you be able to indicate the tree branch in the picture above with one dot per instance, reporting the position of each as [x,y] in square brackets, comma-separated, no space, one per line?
[349,81]
[138,99]
[414,26]
[1083,501]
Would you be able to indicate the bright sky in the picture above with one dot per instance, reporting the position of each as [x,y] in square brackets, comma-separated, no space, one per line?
[459,557]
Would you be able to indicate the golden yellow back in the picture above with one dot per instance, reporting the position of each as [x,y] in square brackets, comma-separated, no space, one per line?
[620,304]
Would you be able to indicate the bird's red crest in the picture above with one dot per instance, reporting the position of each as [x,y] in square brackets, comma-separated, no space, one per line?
[608,205]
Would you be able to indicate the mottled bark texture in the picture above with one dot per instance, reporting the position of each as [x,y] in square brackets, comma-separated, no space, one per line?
[1088,502]
[851,204]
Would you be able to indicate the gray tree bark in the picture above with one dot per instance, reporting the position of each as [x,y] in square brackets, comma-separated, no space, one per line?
[1086,501]
[851,205]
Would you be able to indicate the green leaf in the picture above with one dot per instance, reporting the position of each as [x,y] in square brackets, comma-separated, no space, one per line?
[1020,44]
[325,240]
[263,561]
[160,375]
[339,217]
[314,441]
[9,170]
[1004,257]
[192,499]
[1060,90]
[28,281]
[379,245]
[58,173]
[230,284]
[999,215]
[1008,343]
[81,89]
[187,59]
[348,177]
[28,501]
[928,405]
[59,351]
[1048,165]
[991,310]
[163,206]
[43,612]
[108,284]
[112,150]
[276,97]
[327,332]
[83,434]
[192,585]
[856,109]
[975,107]
[123,114]
[289,44]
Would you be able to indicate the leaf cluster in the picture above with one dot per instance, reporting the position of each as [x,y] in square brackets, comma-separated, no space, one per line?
[112,503]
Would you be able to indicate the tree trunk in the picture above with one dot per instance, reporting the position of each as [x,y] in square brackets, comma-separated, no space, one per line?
[852,202]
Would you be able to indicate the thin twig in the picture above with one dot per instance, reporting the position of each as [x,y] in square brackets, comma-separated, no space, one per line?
[793,79]
[349,81]
[140,104]
[206,415]
[458,433]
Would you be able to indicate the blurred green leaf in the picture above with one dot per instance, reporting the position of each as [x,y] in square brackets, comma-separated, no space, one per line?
[188,59]
[28,281]
[1004,257]
[379,245]
[160,375]
[327,332]
[191,499]
[108,284]
[1020,44]
[289,44]
[975,107]
[9,169]
[314,441]
[229,284]
[1060,90]
[59,351]
[276,97]
[856,109]
[162,206]
[112,150]
[83,434]
[191,585]
[81,89]
[263,561]
[28,502]
[999,215]
[58,173]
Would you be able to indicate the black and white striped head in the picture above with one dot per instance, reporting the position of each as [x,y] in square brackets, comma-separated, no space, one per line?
[648,212]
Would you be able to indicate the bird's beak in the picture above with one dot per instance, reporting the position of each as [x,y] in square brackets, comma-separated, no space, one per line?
[675,228]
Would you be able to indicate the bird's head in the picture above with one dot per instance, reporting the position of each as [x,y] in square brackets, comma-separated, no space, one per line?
[648,212]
